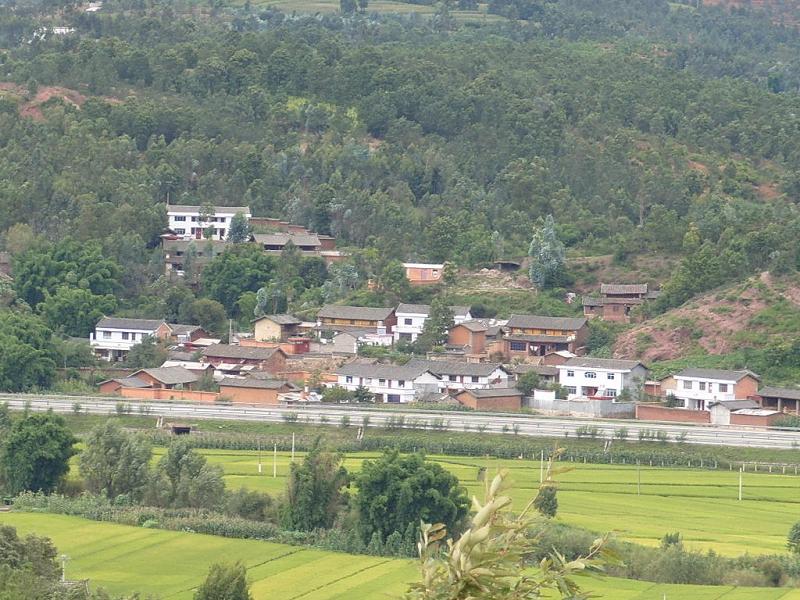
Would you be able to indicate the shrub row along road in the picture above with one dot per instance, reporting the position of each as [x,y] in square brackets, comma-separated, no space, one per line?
[451,421]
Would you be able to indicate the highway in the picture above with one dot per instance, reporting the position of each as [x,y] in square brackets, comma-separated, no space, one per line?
[522,424]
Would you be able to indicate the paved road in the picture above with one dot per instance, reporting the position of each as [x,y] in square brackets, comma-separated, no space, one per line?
[451,421]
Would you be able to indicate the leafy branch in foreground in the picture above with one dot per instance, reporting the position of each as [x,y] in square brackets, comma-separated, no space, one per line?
[488,561]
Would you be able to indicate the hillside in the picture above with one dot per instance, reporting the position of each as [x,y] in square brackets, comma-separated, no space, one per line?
[752,314]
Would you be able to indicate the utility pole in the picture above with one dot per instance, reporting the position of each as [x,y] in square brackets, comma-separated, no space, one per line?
[275,461]
[259,456]
[541,468]
[741,471]
[292,446]
[638,479]
[64,559]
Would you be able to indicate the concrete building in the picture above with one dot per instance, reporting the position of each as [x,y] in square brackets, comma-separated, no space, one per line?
[601,378]
[188,222]
[268,328]
[696,389]
[457,375]
[389,383]
[411,319]
[113,337]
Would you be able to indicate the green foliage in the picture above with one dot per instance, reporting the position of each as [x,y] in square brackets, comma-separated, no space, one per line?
[242,268]
[239,230]
[793,539]
[437,326]
[225,582]
[314,491]
[547,254]
[75,311]
[35,454]
[26,353]
[115,462]
[395,491]
[183,478]
[42,269]
[546,501]
[527,382]
[148,353]
[208,314]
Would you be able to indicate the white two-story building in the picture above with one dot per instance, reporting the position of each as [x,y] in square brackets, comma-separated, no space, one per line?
[601,378]
[456,376]
[698,389]
[114,337]
[388,383]
[188,222]
[411,319]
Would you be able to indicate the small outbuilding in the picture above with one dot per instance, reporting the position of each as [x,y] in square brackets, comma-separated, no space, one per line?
[252,390]
[500,399]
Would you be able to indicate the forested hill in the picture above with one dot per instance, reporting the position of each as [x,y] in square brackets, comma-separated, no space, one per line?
[433,139]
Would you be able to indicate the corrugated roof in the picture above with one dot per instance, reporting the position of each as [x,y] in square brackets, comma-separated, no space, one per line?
[281,239]
[757,412]
[602,363]
[446,367]
[366,313]
[623,288]
[474,325]
[170,375]
[540,322]
[721,374]
[240,352]
[780,392]
[280,319]
[405,372]
[129,324]
[255,383]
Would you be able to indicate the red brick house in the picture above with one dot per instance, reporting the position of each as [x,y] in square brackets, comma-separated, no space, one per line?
[616,301]
[226,357]
[535,336]
[501,399]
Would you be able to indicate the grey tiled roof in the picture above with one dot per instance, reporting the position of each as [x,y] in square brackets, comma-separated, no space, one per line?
[780,392]
[721,374]
[281,239]
[449,367]
[366,313]
[405,372]
[736,404]
[219,209]
[239,352]
[540,322]
[255,383]
[280,319]
[494,392]
[170,375]
[602,363]
[623,288]
[129,324]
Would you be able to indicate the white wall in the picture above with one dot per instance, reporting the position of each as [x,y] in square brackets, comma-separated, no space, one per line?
[696,398]
[604,380]
[181,223]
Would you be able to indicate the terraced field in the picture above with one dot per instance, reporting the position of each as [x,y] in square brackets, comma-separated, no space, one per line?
[171,564]
[703,505]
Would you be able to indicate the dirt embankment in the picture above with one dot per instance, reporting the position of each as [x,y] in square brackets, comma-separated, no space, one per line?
[717,323]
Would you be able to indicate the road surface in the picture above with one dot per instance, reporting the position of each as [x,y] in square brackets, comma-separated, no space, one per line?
[522,424]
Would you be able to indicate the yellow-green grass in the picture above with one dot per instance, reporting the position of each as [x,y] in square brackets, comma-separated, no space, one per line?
[172,564]
[701,504]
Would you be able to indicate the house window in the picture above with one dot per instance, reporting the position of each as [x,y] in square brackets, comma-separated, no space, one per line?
[401,383]
[611,392]
[452,378]
[570,373]
[124,335]
[348,379]
[408,321]
[702,386]
[723,387]
[180,230]
[223,219]
[106,335]
[591,375]
[518,346]
[610,376]
[194,219]
[571,389]
[475,379]
[687,385]
[368,380]
[180,218]
[381,382]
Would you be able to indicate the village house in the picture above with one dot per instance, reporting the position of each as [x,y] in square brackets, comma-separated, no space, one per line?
[696,389]
[782,399]
[307,243]
[547,373]
[113,337]
[389,383]
[372,326]
[268,328]
[188,222]
[601,378]
[500,399]
[456,375]
[529,336]
[469,335]
[253,390]
[181,254]
[411,319]
[236,359]
[616,301]
[423,273]
[169,378]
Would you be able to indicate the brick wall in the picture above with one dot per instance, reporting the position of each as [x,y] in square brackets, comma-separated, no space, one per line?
[164,394]
[754,420]
[646,412]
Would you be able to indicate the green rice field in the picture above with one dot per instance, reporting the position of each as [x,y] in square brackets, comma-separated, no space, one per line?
[172,564]
[703,505]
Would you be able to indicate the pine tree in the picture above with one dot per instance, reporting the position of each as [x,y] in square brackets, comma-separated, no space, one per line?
[547,254]
[239,231]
